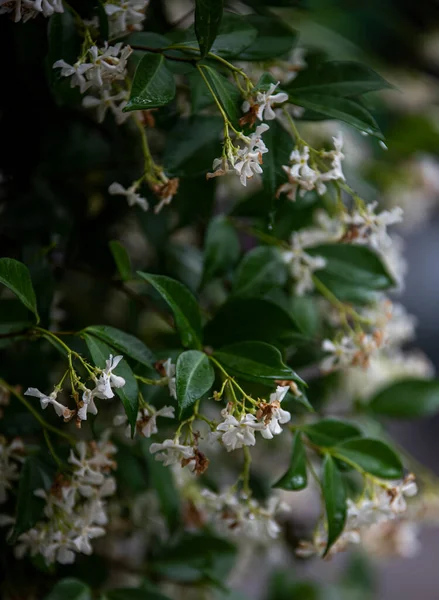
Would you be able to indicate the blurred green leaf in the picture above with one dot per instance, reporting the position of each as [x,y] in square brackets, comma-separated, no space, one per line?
[227,94]
[134,594]
[194,377]
[260,270]
[335,501]
[280,144]
[407,399]
[373,456]
[153,84]
[208,15]
[329,432]
[296,477]
[15,276]
[122,259]
[70,589]
[274,38]
[221,248]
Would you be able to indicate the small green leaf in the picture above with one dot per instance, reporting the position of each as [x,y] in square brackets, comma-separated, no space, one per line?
[194,377]
[228,95]
[70,589]
[329,432]
[337,78]
[280,145]
[407,399]
[221,249]
[373,456]
[183,305]
[153,84]
[255,361]
[208,15]
[335,501]
[296,477]
[15,276]
[260,270]
[122,259]
[274,38]
[125,343]
[129,393]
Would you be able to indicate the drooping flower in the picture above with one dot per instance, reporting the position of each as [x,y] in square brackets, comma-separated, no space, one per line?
[272,414]
[60,409]
[236,433]
[107,379]
[146,422]
[133,198]
[171,452]
[263,104]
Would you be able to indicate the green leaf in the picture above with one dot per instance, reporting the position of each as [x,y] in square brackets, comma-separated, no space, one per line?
[153,84]
[103,21]
[129,393]
[337,78]
[70,589]
[122,259]
[149,39]
[407,399]
[280,145]
[194,377]
[35,474]
[329,432]
[255,361]
[228,95]
[221,248]
[125,343]
[352,272]
[260,270]
[335,501]
[134,594]
[296,477]
[344,109]
[15,276]
[246,319]
[208,15]
[200,94]
[373,456]
[274,38]
[183,305]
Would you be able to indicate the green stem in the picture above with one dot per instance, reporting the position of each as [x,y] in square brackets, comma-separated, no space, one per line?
[55,457]
[292,124]
[226,119]
[147,381]
[332,298]
[232,68]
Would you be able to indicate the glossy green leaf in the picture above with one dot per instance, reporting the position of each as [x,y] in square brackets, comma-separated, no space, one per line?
[183,305]
[280,144]
[227,94]
[129,393]
[221,249]
[337,78]
[260,270]
[70,589]
[329,432]
[407,399]
[255,361]
[334,495]
[153,84]
[15,276]
[194,376]
[296,477]
[274,38]
[125,343]
[208,15]
[122,259]
[335,107]
[370,455]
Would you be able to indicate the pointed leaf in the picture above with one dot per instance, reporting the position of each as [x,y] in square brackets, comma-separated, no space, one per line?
[70,589]
[15,275]
[329,432]
[221,249]
[260,270]
[153,84]
[182,303]
[125,343]
[373,456]
[407,399]
[274,39]
[227,94]
[335,501]
[208,15]
[296,477]
[280,144]
[194,377]
[122,259]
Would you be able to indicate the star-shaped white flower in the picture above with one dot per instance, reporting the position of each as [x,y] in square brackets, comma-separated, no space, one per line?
[133,198]
[275,414]
[236,433]
[170,452]
[60,409]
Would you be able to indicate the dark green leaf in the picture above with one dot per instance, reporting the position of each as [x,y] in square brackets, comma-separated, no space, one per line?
[148,39]
[274,39]
[227,94]
[329,432]
[335,501]
[122,259]
[208,15]
[200,94]
[407,399]
[63,42]
[260,270]
[280,144]
[70,589]
[194,377]
[134,594]
[153,84]
[103,21]
[15,275]
[129,393]
[183,305]
[343,109]
[255,361]
[221,249]
[373,456]
[296,477]
[337,78]
[125,343]
[305,312]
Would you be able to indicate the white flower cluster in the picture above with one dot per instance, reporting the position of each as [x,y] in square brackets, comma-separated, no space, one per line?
[146,422]
[29,9]
[11,455]
[355,349]
[262,105]
[75,507]
[125,15]
[387,502]
[367,227]
[304,177]
[245,161]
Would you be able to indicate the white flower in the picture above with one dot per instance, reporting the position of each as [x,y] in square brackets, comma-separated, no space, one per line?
[48,7]
[265,102]
[236,433]
[249,158]
[116,189]
[302,265]
[115,103]
[371,228]
[108,380]
[170,374]
[273,414]
[125,15]
[60,409]
[29,9]
[170,452]
[88,405]
[341,354]
[76,72]
[146,421]
[87,533]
